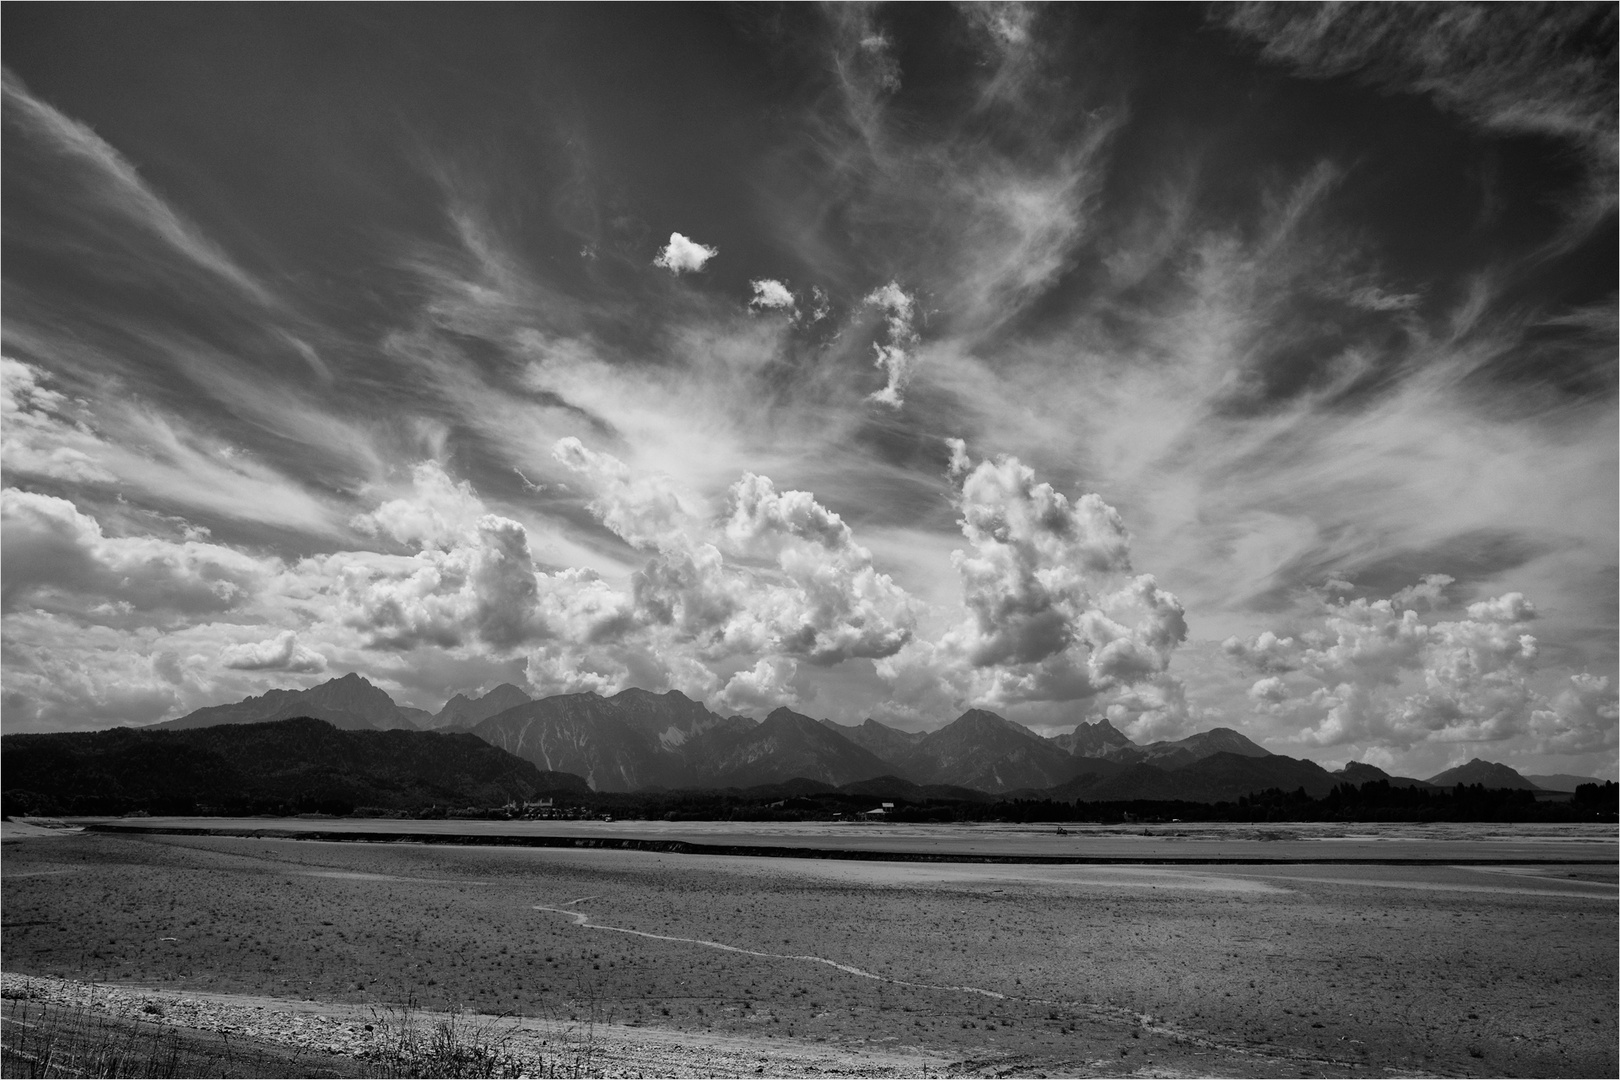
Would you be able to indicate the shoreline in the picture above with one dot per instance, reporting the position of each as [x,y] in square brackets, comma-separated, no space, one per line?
[783,851]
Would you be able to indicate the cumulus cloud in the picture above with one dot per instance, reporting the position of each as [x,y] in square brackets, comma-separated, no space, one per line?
[776,574]
[1584,717]
[1054,610]
[437,512]
[896,355]
[59,558]
[765,686]
[681,255]
[645,511]
[1375,673]
[482,587]
[774,295]
[280,653]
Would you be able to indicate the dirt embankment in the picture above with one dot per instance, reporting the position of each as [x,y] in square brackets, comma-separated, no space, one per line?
[370,1034]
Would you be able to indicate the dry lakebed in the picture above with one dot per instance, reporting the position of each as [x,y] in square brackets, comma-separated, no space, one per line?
[677,949]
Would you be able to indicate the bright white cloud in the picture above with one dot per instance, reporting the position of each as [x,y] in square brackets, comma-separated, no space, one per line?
[709,583]
[1375,673]
[436,513]
[896,355]
[774,295]
[765,686]
[1054,611]
[682,256]
[280,653]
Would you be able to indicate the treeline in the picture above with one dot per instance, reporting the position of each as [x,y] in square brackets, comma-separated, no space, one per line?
[1375,801]
[284,767]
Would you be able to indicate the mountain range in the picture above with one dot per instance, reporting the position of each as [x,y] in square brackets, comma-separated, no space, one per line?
[277,766]
[350,703]
[637,740]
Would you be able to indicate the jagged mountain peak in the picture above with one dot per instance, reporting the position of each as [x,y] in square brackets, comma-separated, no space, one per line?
[636,693]
[985,721]
[782,715]
[349,701]
[465,710]
[1098,738]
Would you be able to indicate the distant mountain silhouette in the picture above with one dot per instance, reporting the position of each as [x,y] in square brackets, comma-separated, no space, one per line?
[1223,776]
[581,734]
[671,719]
[282,765]
[989,753]
[1478,771]
[786,745]
[639,740]
[350,702]
[1093,740]
[890,744]
[1560,781]
[1358,773]
[462,711]
[1176,753]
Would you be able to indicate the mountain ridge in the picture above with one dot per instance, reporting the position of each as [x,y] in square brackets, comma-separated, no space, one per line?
[350,702]
[299,764]
[642,740]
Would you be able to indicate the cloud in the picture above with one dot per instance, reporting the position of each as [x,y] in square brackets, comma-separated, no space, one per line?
[1054,612]
[765,686]
[681,255]
[647,512]
[1583,718]
[280,653]
[1517,69]
[437,513]
[127,444]
[774,295]
[1248,365]
[1374,673]
[776,574]
[39,436]
[481,588]
[894,357]
[58,558]
[107,188]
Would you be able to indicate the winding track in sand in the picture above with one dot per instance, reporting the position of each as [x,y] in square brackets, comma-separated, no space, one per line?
[583,920]
[1107,1013]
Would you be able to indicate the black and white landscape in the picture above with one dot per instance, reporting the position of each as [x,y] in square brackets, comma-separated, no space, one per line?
[960,433]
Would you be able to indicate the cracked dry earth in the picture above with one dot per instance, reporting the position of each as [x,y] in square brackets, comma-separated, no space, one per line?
[679,965]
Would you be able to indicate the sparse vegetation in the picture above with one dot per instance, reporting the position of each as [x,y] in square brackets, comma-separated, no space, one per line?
[41,1041]
[50,1039]
[454,1045]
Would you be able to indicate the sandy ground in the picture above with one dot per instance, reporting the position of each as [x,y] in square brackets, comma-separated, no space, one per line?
[788,967]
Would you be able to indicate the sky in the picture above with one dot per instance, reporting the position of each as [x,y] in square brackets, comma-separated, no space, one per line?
[1247,366]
